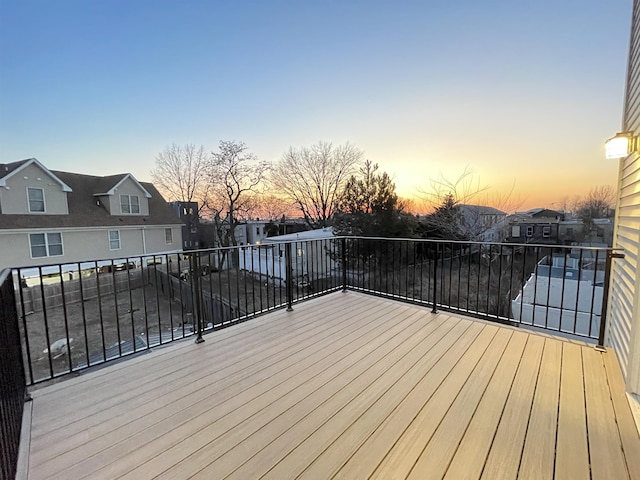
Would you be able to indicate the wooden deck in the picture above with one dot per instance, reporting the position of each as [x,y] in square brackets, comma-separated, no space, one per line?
[347,386]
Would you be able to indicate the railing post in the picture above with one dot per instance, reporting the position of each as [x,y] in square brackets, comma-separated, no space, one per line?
[13,393]
[344,264]
[435,280]
[288,265]
[197,295]
[605,296]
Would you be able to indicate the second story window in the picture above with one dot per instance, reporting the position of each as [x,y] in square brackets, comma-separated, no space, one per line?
[129,204]
[546,232]
[36,200]
[168,236]
[530,231]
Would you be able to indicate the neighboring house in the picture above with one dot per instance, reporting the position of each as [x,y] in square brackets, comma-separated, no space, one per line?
[481,223]
[311,254]
[574,230]
[188,214]
[50,217]
[539,225]
[256,230]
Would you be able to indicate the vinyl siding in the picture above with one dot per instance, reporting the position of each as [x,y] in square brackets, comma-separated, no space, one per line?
[14,199]
[88,244]
[623,331]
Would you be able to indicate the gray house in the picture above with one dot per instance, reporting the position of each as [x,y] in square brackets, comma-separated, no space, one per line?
[56,217]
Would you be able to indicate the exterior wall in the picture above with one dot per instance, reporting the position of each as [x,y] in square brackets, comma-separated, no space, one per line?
[128,187]
[255,231]
[15,200]
[538,232]
[623,332]
[155,239]
[309,260]
[188,214]
[88,244]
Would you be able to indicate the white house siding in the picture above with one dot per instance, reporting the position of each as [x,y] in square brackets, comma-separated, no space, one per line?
[88,244]
[623,333]
[14,200]
[155,238]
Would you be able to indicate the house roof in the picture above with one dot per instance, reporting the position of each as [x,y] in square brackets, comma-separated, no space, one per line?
[481,209]
[541,213]
[108,185]
[326,232]
[7,170]
[85,209]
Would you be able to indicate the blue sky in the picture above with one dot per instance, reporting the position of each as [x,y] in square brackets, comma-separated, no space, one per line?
[522,92]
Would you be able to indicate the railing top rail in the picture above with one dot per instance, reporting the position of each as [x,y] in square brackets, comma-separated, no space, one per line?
[470,242]
[270,242]
[4,273]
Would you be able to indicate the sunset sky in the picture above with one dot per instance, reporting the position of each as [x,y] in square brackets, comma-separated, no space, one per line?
[524,93]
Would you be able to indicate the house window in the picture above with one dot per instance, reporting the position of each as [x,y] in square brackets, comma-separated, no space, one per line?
[515,231]
[546,232]
[45,244]
[530,231]
[36,200]
[114,239]
[129,204]
[258,231]
[168,236]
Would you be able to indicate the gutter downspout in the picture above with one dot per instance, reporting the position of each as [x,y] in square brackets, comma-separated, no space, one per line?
[144,242]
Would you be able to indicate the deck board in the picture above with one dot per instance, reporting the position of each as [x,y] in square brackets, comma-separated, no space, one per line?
[572,457]
[402,457]
[435,458]
[538,456]
[607,457]
[346,386]
[472,451]
[152,434]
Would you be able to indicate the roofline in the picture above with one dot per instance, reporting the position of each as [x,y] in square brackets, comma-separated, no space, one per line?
[14,230]
[31,161]
[112,191]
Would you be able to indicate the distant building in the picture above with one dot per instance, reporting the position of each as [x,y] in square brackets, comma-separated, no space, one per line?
[50,216]
[188,214]
[256,230]
[600,230]
[481,223]
[311,256]
[539,225]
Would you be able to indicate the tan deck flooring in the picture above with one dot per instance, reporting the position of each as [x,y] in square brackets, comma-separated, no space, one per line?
[346,386]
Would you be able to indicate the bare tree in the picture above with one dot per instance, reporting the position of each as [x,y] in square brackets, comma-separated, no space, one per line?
[313,178]
[236,176]
[463,189]
[598,203]
[272,207]
[182,174]
[466,209]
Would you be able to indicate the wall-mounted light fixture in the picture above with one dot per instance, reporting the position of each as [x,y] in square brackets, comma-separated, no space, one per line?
[621,145]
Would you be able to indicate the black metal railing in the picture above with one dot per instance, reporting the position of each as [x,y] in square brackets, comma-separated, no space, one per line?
[76,315]
[12,380]
[558,288]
